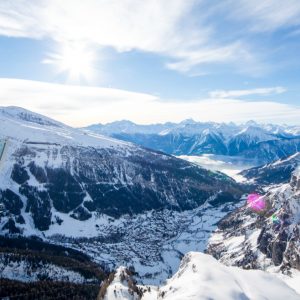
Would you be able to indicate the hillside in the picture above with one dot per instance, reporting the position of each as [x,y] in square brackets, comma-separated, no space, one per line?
[267,238]
[93,193]
[277,172]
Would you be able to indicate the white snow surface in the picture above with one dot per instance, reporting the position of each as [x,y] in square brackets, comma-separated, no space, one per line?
[201,277]
[118,289]
[18,124]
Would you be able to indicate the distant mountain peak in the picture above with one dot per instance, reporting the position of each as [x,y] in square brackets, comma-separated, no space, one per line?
[252,123]
[188,121]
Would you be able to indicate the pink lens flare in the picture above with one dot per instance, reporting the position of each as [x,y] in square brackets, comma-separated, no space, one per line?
[256,202]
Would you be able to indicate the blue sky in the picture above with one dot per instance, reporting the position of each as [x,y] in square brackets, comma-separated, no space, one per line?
[205,59]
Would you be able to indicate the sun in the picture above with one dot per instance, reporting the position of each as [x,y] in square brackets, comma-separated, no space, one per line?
[74,59]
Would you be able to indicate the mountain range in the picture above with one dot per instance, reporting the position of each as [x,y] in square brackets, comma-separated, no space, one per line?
[261,142]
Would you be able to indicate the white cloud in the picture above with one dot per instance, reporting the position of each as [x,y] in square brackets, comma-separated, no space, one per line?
[149,25]
[170,27]
[189,32]
[241,93]
[188,59]
[267,15]
[80,106]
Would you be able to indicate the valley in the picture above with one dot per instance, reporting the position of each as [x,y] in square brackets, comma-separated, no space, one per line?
[123,205]
[118,202]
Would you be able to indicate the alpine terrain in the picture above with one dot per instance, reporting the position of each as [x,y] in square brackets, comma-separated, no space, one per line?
[200,276]
[117,202]
[261,142]
[268,239]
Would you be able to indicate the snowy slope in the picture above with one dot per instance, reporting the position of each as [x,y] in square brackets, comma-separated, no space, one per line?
[277,172]
[49,167]
[122,287]
[24,271]
[200,276]
[20,125]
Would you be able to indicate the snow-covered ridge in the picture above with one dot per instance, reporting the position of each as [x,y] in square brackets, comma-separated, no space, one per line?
[191,127]
[293,157]
[253,134]
[201,277]
[122,286]
[277,172]
[21,125]
[22,114]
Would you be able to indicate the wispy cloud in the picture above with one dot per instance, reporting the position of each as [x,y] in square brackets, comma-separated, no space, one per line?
[241,93]
[149,25]
[188,33]
[188,59]
[177,29]
[80,106]
[267,15]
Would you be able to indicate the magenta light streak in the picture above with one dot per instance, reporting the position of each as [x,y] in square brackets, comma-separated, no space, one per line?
[256,202]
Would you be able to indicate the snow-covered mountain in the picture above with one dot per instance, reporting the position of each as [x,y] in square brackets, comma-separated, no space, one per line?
[48,167]
[201,277]
[261,142]
[277,172]
[92,193]
[247,138]
[268,239]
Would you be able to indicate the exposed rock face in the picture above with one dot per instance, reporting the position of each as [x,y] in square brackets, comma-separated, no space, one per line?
[81,180]
[261,240]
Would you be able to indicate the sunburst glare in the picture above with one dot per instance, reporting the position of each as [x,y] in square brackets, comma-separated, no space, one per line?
[76,60]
